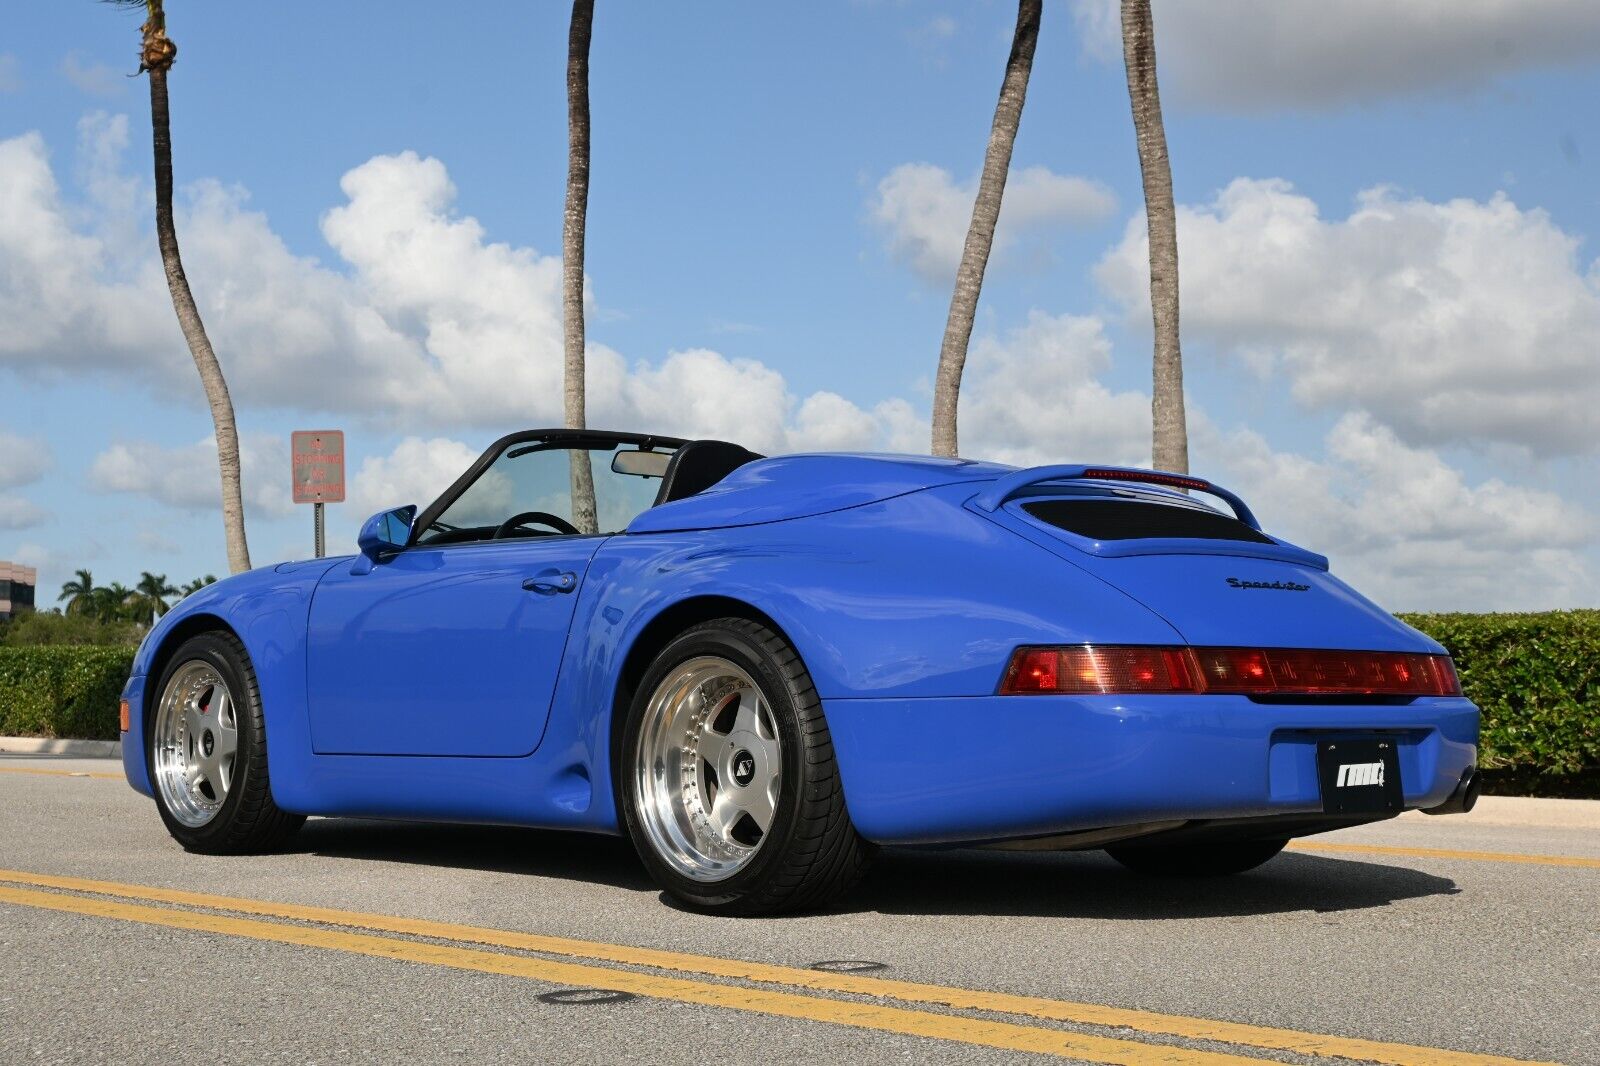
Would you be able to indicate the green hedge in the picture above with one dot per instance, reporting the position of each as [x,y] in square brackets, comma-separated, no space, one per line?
[1537,679]
[62,690]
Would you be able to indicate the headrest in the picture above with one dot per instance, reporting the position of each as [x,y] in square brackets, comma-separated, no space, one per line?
[698,465]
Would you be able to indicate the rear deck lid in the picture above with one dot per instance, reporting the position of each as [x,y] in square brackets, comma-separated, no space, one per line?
[1216,577]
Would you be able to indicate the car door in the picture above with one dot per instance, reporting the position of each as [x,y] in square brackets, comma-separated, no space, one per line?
[450,650]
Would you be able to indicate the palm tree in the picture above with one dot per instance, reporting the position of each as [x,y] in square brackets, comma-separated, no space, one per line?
[980,232]
[192,587]
[155,59]
[572,242]
[79,593]
[1169,431]
[152,592]
[114,602]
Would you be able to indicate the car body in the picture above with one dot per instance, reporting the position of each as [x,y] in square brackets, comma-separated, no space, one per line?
[463,682]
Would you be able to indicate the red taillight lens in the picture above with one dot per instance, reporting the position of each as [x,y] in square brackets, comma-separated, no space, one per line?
[1081,670]
[1084,669]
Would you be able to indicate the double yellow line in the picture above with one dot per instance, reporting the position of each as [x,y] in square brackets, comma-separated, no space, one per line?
[1332,848]
[58,773]
[780,991]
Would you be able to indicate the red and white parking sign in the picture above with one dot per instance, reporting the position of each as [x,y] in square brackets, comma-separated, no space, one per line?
[318,458]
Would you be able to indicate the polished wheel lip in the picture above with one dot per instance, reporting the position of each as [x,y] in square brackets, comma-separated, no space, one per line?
[195,743]
[706,728]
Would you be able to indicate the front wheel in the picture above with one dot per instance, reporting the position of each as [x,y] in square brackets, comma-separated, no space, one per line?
[1196,860]
[729,787]
[208,752]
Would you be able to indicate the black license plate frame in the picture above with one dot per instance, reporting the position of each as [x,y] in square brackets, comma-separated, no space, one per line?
[1360,775]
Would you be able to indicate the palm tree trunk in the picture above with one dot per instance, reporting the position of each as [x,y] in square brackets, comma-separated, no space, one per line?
[194,331]
[980,232]
[572,241]
[1169,431]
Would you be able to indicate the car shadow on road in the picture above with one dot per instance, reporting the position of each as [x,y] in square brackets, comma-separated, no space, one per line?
[911,881]
[603,860]
[1091,885]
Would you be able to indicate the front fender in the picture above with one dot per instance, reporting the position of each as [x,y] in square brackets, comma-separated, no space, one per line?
[267,610]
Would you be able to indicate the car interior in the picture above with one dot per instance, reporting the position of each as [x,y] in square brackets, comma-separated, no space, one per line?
[522,486]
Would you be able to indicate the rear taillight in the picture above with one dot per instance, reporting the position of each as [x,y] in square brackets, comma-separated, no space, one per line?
[1095,669]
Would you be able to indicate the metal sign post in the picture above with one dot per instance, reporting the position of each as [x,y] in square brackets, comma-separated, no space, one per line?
[317,459]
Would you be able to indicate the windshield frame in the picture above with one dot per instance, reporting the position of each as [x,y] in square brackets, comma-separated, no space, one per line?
[587,439]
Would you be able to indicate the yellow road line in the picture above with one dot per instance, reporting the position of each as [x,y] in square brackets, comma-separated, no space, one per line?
[1002,1035]
[57,773]
[1444,853]
[1034,1007]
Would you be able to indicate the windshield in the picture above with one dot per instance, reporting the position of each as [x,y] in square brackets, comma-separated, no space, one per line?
[527,492]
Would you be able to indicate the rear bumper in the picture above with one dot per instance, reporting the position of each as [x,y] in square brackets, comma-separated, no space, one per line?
[991,768]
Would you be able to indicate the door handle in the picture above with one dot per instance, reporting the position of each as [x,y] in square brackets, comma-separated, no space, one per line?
[550,582]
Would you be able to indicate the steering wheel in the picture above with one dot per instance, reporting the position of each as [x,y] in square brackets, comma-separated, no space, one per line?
[544,518]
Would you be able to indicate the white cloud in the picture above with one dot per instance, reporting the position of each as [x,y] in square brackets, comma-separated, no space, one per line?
[923,213]
[1459,322]
[23,460]
[187,477]
[65,303]
[95,79]
[1399,522]
[1266,54]
[19,513]
[1035,396]
[10,73]
[416,471]
[1405,527]
[434,324]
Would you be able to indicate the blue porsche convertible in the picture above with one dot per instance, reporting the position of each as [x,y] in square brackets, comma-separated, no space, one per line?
[762,669]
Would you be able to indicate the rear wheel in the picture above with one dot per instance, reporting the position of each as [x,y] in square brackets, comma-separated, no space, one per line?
[729,787]
[208,752]
[1196,860]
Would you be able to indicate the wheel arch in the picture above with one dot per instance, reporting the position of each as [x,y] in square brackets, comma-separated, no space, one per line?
[171,641]
[655,635]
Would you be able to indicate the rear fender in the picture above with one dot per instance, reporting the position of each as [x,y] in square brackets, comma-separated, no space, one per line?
[910,597]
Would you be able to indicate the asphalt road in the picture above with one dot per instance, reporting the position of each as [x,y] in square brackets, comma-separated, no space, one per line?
[1441,939]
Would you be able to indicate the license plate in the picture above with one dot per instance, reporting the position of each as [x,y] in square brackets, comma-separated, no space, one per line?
[1359,776]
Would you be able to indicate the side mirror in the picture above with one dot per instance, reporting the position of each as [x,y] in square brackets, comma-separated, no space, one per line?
[382,535]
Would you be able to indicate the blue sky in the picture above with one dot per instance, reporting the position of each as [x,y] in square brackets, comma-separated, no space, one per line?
[1392,308]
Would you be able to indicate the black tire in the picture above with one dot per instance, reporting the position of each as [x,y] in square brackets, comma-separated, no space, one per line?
[1196,860]
[811,854]
[248,822]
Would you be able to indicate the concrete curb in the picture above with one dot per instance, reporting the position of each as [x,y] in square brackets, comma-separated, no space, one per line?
[81,749]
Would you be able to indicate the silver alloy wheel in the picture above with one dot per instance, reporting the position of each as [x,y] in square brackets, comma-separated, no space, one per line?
[707,768]
[195,743]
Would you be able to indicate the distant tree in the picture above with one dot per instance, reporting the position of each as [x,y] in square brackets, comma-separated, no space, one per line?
[151,593]
[114,602]
[53,627]
[1168,425]
[980,232]
[573,225]
[79,593]
[192,587]
[156,57]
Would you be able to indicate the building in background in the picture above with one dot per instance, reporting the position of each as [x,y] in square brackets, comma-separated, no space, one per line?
[16,588]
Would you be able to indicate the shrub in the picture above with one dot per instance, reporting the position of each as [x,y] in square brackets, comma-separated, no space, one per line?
[1536,678]
[54,627]
[62,690]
